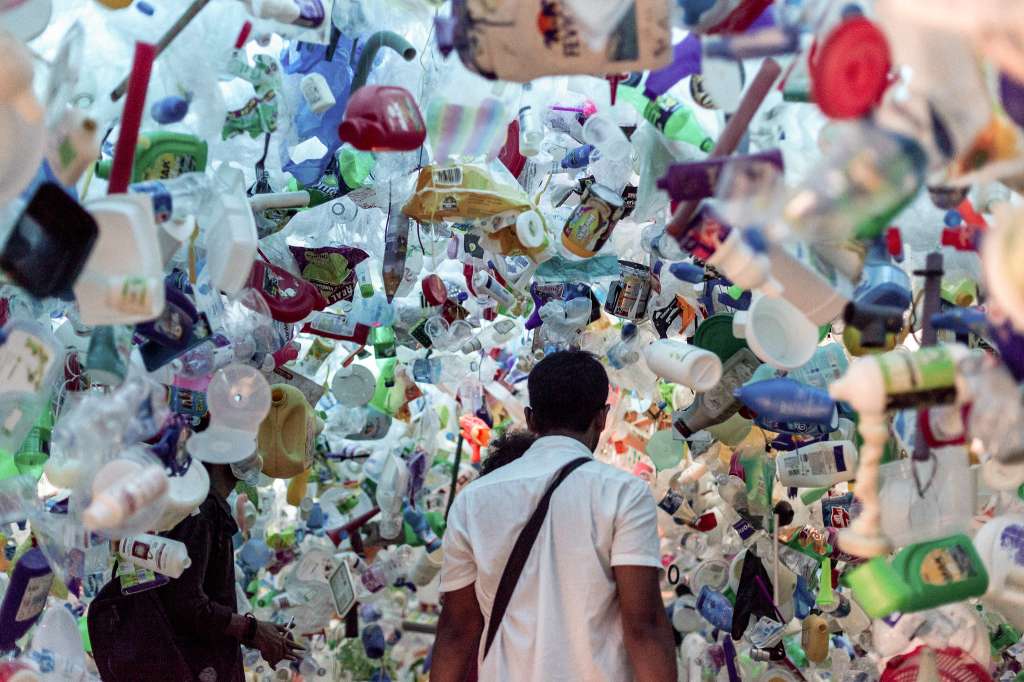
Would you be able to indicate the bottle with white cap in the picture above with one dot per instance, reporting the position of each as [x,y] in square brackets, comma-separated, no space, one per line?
[681,363]
[163,555]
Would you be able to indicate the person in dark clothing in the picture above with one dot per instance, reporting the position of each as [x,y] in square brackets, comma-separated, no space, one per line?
[201,604]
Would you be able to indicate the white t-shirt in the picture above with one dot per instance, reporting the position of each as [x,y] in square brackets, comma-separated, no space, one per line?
[563,622]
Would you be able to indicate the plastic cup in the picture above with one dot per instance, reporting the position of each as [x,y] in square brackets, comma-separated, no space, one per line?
[777,332]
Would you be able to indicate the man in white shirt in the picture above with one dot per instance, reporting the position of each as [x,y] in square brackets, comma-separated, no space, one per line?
[587,605]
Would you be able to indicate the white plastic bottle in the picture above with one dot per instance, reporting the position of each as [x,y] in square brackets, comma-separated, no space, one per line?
[818,465]
[112,505]
[163,555]
[681,363]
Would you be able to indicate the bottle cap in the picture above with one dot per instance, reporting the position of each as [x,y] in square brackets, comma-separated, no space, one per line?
[434,290]
[850,70]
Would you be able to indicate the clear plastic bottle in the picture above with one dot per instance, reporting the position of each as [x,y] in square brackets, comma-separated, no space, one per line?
[496,334]
[179,197]
[389,566]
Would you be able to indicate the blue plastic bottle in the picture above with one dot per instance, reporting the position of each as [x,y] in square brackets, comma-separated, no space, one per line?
[25,597]
[785,400]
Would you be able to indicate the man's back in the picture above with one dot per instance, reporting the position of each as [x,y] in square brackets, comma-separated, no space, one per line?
[563,622]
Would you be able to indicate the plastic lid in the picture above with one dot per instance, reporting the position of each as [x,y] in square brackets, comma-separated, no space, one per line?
[850,70]
[715,334]
[354,386]
[221,445]
[238,398]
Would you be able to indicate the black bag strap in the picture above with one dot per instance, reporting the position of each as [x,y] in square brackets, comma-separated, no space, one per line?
[521,552]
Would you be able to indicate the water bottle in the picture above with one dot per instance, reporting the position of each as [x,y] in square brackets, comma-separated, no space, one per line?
[177,198]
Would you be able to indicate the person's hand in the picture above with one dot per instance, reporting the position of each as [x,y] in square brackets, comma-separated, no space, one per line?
[275,643]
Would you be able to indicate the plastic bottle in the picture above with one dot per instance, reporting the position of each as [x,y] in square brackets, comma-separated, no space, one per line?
[898,379]
[161,155]
[867,177]
[786,400]
[496,334]
[847,613]
[156,553]
[826,365]
[386,568]
[390,492]
[681,363]
[718,404]
[111,506]
[920,577]
[177,198]
[673,118]
[715,608]
[818,465]
[25,597]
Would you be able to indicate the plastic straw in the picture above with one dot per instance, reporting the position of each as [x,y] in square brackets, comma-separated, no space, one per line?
[131,119]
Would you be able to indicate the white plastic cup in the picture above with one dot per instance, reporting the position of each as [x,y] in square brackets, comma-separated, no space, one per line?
[602,132]
[681,363]
[777,332]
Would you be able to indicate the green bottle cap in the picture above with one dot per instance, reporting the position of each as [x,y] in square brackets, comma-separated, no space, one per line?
[715,334]
[877,587]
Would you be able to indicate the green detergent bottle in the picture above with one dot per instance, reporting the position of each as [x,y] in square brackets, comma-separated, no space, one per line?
[161,155]
[921,576]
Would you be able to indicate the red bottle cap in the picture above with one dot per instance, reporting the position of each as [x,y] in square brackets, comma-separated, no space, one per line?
[850,70]
[434,290]
[706,522]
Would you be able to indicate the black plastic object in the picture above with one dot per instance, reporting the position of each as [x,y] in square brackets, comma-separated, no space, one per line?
[50,243]
[874,322]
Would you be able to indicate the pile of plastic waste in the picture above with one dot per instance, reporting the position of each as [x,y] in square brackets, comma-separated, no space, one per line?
[324,241]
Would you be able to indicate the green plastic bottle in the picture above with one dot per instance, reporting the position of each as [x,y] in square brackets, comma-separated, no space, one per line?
[673,118]
[161,155]
[921,576]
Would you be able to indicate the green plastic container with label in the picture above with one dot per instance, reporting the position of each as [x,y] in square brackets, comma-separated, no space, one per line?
[161,155]
[920,577]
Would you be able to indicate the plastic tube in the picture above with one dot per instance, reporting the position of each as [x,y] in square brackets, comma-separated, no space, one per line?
[261,202]
[131,119]
[373,46]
